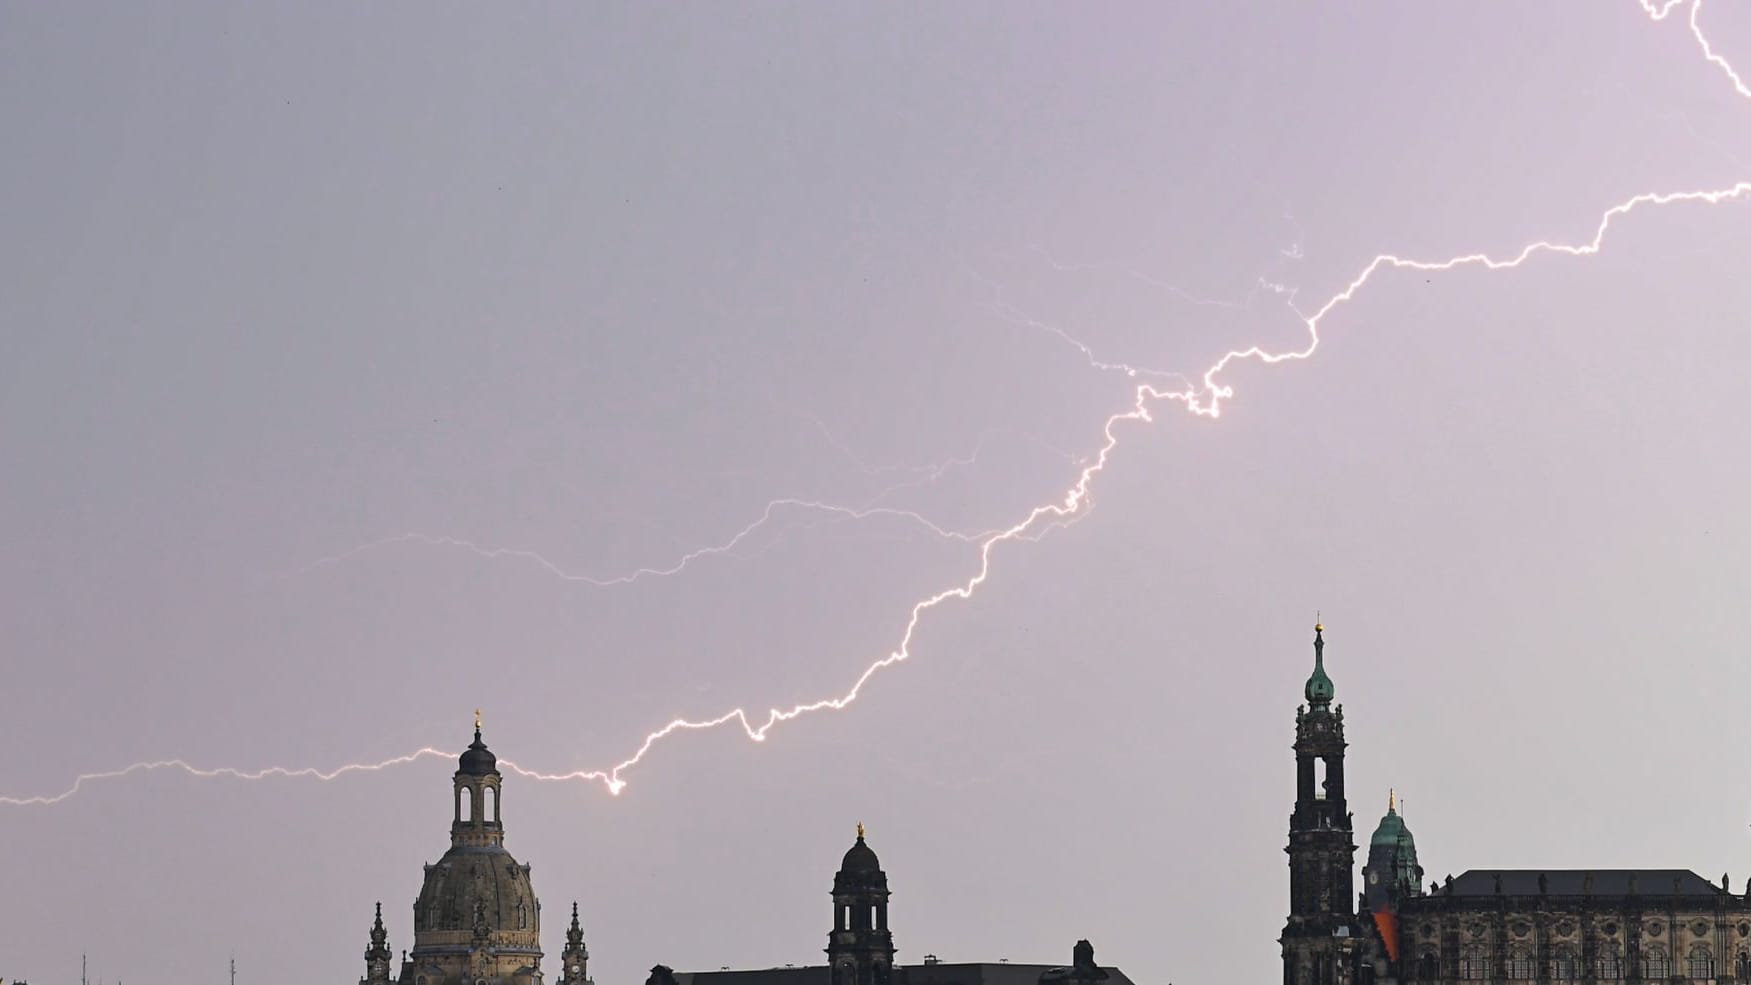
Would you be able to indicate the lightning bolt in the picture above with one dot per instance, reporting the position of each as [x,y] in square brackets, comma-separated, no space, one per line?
[1658,12]
[724,547]
[1204,399]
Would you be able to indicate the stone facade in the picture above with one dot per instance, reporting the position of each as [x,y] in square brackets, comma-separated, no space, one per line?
[1691,933]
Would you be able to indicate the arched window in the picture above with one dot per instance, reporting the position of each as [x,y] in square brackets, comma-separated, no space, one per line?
[1429,966]
[1520,964]
[491,811]
[464,803]
[1702,962]
[1564,967]
[522,917]
[1318,778]
[1658,963]
[1610,961]
[1742,966]
[1474,963]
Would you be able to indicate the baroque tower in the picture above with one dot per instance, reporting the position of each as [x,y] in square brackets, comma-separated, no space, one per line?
[378,955]
[860,949]
[476,919]
[574,961]
[1321,936]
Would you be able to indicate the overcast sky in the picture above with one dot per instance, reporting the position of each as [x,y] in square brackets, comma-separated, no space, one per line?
[281,285]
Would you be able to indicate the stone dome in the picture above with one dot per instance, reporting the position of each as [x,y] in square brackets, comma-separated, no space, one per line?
[477,885]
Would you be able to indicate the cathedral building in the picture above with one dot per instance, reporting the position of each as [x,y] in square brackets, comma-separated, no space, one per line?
[1596,926]
[476,921]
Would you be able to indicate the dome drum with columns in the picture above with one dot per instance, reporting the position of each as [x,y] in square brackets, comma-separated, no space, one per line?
[476,920]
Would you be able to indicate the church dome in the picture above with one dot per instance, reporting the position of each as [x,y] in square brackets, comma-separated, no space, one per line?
[1391,830]
[477,759]
[474,887]
[861,858]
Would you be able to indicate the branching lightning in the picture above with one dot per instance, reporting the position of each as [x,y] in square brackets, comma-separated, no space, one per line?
[1203,398]
[725,547]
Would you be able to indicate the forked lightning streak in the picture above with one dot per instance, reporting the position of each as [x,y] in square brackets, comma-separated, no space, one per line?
[1204,400]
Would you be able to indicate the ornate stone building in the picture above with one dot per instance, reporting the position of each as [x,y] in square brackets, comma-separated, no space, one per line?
[1600,927]
[476,921]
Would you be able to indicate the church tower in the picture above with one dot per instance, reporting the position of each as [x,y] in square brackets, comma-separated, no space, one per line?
[574,961]
[860,950]
[378,954]
[476,919]
[1321,936]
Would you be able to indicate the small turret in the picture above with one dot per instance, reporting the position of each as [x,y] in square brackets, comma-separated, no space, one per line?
[574,961]
[378,955]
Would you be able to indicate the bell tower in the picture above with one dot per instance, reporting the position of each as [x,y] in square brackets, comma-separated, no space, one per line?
[860,949]
[574,961]
[1321,936]
[378,954]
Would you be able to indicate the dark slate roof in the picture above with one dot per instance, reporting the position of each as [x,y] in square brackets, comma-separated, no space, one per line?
[941,973]
[861,858]
[810,975]
[1572,882]
[477,759]
[991,974]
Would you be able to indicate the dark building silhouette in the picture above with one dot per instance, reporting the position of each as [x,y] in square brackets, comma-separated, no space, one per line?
[1599,927]
[860,947]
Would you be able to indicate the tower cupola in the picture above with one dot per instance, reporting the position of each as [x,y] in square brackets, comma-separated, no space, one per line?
[478,787]
[860,948]
[1392,872]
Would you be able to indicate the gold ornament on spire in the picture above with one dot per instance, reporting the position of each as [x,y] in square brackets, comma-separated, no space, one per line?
[860,831]
[1391,799]
[477,719]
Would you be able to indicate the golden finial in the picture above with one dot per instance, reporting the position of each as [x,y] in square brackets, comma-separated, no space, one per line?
[1318,623]
[860,831]
[1391,799]
[477,719]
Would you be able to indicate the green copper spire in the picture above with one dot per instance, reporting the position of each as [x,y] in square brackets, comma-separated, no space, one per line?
[1319,686]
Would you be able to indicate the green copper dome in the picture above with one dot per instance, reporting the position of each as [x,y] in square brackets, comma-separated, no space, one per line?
[1319,686]
[1391,830]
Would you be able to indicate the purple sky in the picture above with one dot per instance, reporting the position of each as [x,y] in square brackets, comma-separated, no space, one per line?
[280,285]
